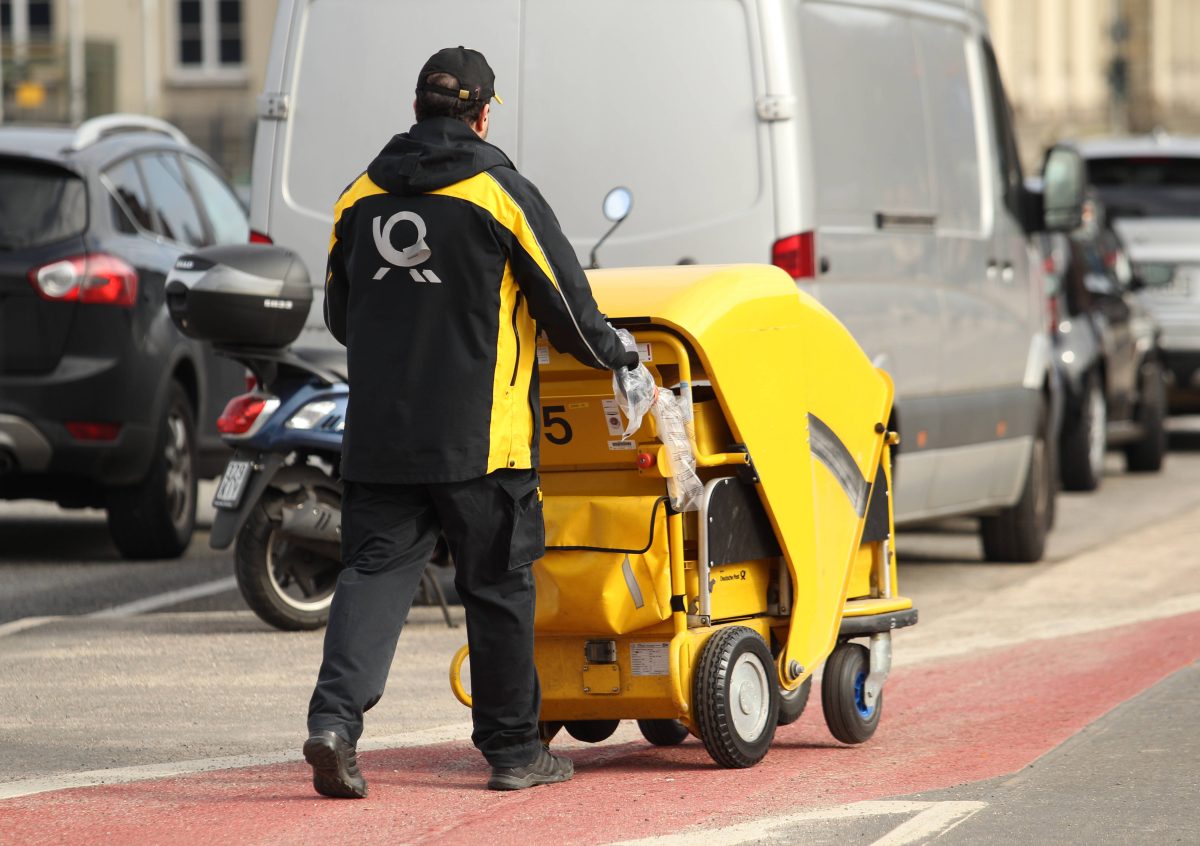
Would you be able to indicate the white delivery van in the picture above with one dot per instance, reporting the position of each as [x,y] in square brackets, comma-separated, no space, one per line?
[863,145]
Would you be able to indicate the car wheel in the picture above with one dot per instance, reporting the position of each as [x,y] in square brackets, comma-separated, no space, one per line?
[1018,533]
[156,518]
[1084,442]
[1147,455]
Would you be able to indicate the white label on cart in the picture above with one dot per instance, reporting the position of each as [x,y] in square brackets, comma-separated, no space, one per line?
[644,352]
[622,446]
[543,354]
[612,417]
[649,659]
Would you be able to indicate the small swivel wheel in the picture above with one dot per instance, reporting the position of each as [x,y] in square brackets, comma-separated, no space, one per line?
[849,717]
[736,697]
[591,731]
[792,702]
[663,732]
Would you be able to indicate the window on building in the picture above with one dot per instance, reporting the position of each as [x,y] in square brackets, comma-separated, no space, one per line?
[208,36]
[39,17]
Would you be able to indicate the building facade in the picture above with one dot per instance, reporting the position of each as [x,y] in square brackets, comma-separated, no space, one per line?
[197,63]
[1076,68]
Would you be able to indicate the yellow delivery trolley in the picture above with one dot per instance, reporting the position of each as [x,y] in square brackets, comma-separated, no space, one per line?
[712,621]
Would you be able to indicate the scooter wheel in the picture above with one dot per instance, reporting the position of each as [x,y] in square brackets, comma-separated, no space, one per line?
[288,587]
[736,697]
[663,732]
[591,731]
[849,717]
[793,702]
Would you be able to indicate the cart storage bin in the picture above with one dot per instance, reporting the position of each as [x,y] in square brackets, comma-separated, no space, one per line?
[245,295]
[607,567]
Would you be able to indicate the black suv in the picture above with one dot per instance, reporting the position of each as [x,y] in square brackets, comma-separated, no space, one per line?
[103,403]
[1107,351]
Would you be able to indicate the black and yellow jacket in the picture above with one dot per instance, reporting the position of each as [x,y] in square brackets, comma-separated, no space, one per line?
[442,259]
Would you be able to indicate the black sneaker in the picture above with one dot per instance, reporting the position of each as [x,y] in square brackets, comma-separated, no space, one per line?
[546,768]
[335,766]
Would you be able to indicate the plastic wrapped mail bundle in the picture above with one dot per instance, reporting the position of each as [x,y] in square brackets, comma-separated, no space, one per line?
[636,393]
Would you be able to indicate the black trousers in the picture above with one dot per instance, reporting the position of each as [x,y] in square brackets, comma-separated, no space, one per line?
[493,526]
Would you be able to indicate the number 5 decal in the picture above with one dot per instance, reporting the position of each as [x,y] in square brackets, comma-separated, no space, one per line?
[549,421]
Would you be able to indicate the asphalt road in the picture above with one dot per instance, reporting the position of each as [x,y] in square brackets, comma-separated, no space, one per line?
[95,689]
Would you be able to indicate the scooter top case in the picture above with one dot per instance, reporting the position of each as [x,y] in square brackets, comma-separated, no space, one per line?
[714,619]
[243,295]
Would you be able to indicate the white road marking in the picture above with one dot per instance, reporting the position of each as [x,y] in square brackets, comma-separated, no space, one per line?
[166,600]
[124,775]
[931,819]
[933,822]
[129,609]
[24,623]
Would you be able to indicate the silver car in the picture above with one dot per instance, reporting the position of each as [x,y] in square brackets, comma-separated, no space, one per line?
[1151,186]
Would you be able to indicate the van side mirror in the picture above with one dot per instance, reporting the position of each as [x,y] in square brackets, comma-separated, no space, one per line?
[1064,180]
[617,204]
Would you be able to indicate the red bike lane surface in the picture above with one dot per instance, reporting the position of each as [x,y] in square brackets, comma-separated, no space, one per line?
[944,724]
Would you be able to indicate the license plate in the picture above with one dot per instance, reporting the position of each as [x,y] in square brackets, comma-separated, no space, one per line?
[233,485]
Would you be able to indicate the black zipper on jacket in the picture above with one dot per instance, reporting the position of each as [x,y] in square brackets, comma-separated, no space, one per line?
[516,364]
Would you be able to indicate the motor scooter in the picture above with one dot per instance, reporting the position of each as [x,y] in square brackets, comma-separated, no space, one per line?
[279,500]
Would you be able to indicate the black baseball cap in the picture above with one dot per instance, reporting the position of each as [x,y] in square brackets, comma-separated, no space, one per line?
[475,77]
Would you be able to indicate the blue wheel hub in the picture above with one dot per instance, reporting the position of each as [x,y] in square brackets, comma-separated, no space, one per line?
[860,703]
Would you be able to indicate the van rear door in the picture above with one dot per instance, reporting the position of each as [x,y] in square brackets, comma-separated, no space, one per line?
[658,97]
[347,73]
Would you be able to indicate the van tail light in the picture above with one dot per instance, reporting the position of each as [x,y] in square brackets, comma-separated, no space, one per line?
[257,237]
[242,413]
[1052,312]
[797,255]
[90,278]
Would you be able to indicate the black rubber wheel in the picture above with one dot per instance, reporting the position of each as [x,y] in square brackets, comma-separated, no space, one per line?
[591,731]
[736,697]
[1147,455]
[548,730]
[663,732]
[1084,440]
[287,585]
[1018,533]
[792,702]
[849,718]
[156,518]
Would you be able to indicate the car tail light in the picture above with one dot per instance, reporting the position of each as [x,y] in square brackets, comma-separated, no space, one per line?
[81,431]
[1052,311]
[797,255]
[257,237]
[243,412]
[91,278]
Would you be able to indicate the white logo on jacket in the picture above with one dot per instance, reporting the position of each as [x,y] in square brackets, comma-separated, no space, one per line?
[412,255]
